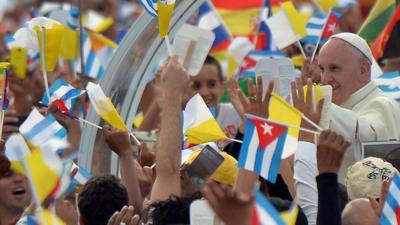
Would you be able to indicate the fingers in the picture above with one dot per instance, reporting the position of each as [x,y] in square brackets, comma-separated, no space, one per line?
[242,98]
[259,89]
[135,220]
[295,96]
[300,91]
[320,106]
[374,204]
[251,88]
[268,93]
[113,218]
[309,93]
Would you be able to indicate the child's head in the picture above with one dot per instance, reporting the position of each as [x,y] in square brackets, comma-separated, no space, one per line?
[209,82]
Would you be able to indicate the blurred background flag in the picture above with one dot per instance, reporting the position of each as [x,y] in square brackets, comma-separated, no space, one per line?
[391,210]
[390,84]
[264,212]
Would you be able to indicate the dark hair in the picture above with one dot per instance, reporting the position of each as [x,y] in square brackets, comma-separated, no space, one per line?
[100,198]
[175,210]
[213,61]
[5,164]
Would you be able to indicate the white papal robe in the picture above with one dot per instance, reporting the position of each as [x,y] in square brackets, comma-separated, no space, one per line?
[378,118]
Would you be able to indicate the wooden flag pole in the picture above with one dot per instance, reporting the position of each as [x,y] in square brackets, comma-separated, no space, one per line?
[43,56]
[301,49]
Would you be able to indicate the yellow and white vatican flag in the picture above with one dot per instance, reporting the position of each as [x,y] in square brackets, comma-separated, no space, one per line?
[199,124]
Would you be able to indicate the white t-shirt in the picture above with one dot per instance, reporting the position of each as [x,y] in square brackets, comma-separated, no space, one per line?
[229,120]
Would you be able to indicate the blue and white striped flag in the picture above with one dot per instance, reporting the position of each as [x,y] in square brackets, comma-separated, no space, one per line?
[73,18]
[61,90]
[314,28]
[93,66]
[390,84]
[264,213]
[150,6]
[82,176]
[262,147]
[38,129]
[391,210]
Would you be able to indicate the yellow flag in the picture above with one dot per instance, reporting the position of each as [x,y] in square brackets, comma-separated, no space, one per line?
[53,38]
[165,9]
[326,4]
[44,171]
[104,107]
[298,60]
[207,131]
[232,67]
[282,112]
[316,94]
[70,44]
[297,20]
[18,59]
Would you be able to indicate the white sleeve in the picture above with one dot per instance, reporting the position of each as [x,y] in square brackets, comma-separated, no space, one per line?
[305,171]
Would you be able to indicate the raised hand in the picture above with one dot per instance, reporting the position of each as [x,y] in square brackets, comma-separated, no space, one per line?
[330,150]
[232,207]
[233,92]
[306,106]
[378,205]
[10,124]
[118,141]
[310,71]
[126,216]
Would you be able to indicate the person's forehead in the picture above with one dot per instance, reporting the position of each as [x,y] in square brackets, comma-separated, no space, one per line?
[335,50]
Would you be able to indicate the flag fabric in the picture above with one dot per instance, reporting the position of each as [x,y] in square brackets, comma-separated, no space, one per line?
[377,19]
[150,6]
[391,210]
[209,19]
[48,217]
[38,129]
[33,55]
[64,95]
[73,18]
[298,21]
[199,124]
[53,33]
[82,176]
[239,16]
[238,50]
[390,84]
[97,51]
[332,22]
[249,63]
[314,28]
[264,38]
[325,5]
[165,9]
[387,43]
[290,216]
[104,107]
[287,26]
[264,213]
[282,112]
[262,147]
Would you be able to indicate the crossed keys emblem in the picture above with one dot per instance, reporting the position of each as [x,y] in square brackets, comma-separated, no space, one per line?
[377,172]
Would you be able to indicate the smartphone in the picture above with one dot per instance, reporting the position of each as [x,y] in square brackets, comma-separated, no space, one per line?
[205,164]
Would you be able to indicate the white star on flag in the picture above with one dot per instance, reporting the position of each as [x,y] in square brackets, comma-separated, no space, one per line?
[267,129]
[332,27]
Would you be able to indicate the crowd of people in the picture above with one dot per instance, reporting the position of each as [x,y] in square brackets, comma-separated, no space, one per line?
[326,179]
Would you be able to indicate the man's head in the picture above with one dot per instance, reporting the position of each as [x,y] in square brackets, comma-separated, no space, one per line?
[209,82]
[345,62]
[15,193]
[359,212]
[100,198]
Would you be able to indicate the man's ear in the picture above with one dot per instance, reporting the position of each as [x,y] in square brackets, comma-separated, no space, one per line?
[365,73]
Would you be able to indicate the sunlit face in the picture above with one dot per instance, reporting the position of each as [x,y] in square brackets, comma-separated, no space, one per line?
[15,193]
[208,84]
[342,69]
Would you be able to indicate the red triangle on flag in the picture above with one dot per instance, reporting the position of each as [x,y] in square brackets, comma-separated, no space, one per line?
[397,211]
[248,63]
[267,131]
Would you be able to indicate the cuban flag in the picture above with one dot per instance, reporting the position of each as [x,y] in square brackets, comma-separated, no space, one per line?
[314,28]
[264,212]
[262,147]
[391,210]
[332,22]
[390,84]
[247,69]
[38,129]
[63,95]
[208,19]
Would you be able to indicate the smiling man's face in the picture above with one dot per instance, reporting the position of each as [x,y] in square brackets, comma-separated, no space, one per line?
[15,192]
[341,67]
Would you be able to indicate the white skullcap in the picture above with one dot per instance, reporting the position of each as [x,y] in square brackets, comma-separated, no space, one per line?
[357,42]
